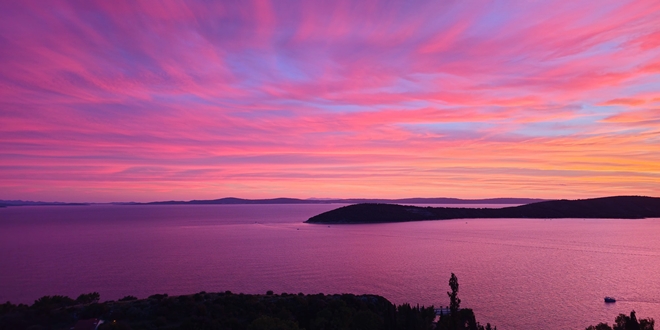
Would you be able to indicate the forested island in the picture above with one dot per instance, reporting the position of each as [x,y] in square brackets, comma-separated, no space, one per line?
[616,207]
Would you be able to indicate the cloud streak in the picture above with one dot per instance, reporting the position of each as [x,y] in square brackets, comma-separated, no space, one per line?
[129,100]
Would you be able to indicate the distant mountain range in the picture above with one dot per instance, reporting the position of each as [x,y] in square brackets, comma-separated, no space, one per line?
[233,200]
[617,207]
[5,203]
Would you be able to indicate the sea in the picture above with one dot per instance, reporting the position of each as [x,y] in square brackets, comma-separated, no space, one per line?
[514,273]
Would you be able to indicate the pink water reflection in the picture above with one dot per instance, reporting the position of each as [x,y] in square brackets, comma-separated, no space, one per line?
[515,273]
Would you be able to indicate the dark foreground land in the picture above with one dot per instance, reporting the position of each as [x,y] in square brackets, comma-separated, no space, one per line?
[236,311]
[221,311]
[618,207]
[254,312]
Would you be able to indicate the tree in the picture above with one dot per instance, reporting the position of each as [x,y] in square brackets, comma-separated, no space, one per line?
[599,326]
[266,322]
[88,298]
[458,319]
[625,322]
[454,301]
[50,302]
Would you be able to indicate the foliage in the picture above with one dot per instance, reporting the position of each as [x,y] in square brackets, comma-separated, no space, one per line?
[625,322]
[50,302]
[128,298]
[454,301]
[221,311]
[418,318]
[458,319]
[88,298]
[265,322]
[600,326]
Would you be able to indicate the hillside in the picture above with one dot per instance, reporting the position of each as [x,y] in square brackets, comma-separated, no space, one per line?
[223,310]
[617,207]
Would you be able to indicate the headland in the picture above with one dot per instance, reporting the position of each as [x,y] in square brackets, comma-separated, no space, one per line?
[616,207]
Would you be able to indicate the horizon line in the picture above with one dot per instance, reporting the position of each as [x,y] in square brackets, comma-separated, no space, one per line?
[311,199]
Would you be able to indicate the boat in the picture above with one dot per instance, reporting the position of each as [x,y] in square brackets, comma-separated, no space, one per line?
[609,300]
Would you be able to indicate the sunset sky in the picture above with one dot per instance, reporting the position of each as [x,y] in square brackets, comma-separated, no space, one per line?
[158,100]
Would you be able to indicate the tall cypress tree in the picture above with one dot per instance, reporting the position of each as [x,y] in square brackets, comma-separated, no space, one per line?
[454,301]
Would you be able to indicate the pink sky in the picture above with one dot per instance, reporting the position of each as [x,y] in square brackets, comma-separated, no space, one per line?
[158,100]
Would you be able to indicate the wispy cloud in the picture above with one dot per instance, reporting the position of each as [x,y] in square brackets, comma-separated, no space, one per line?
[158,100]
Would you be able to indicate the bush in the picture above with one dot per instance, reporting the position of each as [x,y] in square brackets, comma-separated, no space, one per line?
[128,298]
[88,298]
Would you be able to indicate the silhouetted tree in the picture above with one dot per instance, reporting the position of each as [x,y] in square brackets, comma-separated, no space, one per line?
[265,322]
[50,302]
[599,326]
[458,319]
[646,324]
[625,322]
[454,301]
[88,298]
[414,318]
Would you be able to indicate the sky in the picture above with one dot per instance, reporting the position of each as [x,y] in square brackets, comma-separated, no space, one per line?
[158,100]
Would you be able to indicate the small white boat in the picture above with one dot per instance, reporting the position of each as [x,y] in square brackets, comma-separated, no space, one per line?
[609,300]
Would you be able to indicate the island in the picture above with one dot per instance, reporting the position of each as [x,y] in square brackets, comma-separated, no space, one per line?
[8,203]
[615,207]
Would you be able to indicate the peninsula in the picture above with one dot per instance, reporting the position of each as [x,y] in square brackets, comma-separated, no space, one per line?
[616,207]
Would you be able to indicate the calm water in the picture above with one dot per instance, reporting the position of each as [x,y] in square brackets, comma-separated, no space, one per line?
[516,274]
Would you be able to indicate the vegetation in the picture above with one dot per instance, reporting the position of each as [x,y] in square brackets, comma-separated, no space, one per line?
[625,322]
[270,311]
[458,319]
[221,311]
[88,298]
